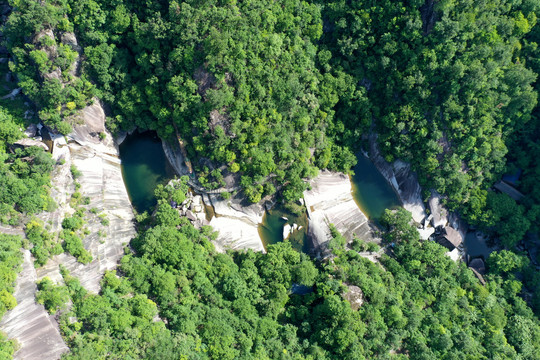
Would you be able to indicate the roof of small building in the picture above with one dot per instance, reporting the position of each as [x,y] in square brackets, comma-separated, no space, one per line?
[508,190]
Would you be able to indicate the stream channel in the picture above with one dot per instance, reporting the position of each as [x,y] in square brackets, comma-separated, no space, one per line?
[371,192]
[144,166]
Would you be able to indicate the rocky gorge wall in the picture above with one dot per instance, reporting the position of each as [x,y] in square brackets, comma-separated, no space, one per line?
[92,150]
[101,181]
[404,181]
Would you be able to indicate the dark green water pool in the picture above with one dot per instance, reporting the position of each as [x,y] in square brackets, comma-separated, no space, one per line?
[271,229]
[371,191]
[144,166]
[477,246]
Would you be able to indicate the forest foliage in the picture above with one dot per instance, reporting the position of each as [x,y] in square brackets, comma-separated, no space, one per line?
[25,174]
[176,297]
[10,265]
[268,92]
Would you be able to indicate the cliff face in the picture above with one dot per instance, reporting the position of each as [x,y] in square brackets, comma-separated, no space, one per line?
[237,223]
[36,331]
[101,180]
[92,150]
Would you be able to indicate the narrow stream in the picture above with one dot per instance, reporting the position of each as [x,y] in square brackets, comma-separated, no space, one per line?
[144,166]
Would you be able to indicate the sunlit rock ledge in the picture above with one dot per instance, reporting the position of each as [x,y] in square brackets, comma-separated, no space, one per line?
[330,201]
[34,329]
[101,180]
[236,223]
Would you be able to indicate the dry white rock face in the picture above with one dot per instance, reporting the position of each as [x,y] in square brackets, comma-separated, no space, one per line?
[286,231]
[36,331]
[31,142]
[237,224]
[101,180]
[330,201]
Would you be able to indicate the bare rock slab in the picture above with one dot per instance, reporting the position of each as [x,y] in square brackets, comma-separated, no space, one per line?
[237,224]
[36,331]
[330,201]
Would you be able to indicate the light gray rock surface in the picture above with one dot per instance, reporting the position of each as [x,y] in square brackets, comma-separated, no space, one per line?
[286,231]
[403,180]
[439,212]
[31,142]
[101,180]
[176,159]
[237,223]
[36,331]
[354,296]
[330,201]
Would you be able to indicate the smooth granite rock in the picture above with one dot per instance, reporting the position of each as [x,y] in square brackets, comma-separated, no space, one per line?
[330,201]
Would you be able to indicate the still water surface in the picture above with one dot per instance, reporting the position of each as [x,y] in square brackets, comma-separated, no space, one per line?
[372,193]
[144,166]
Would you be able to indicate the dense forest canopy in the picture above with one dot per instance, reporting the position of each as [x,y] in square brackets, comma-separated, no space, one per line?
[239,81]
[274,91]
[268,93]
[417,303]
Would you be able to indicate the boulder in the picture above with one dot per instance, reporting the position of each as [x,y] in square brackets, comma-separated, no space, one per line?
[191,216]
[31,130]
[31,142]
[354,296]
[55,74]
[438,211]
[286,231]
[197,200]
[68,38]
[12,94]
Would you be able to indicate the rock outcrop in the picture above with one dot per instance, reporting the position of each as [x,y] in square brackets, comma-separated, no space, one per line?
[403,180]
[405,183]
[236,222]
[439,212]
[330,201]
[175,157]
[31,142]
[287,230]
[101,181]
[35,330]
[354,296]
